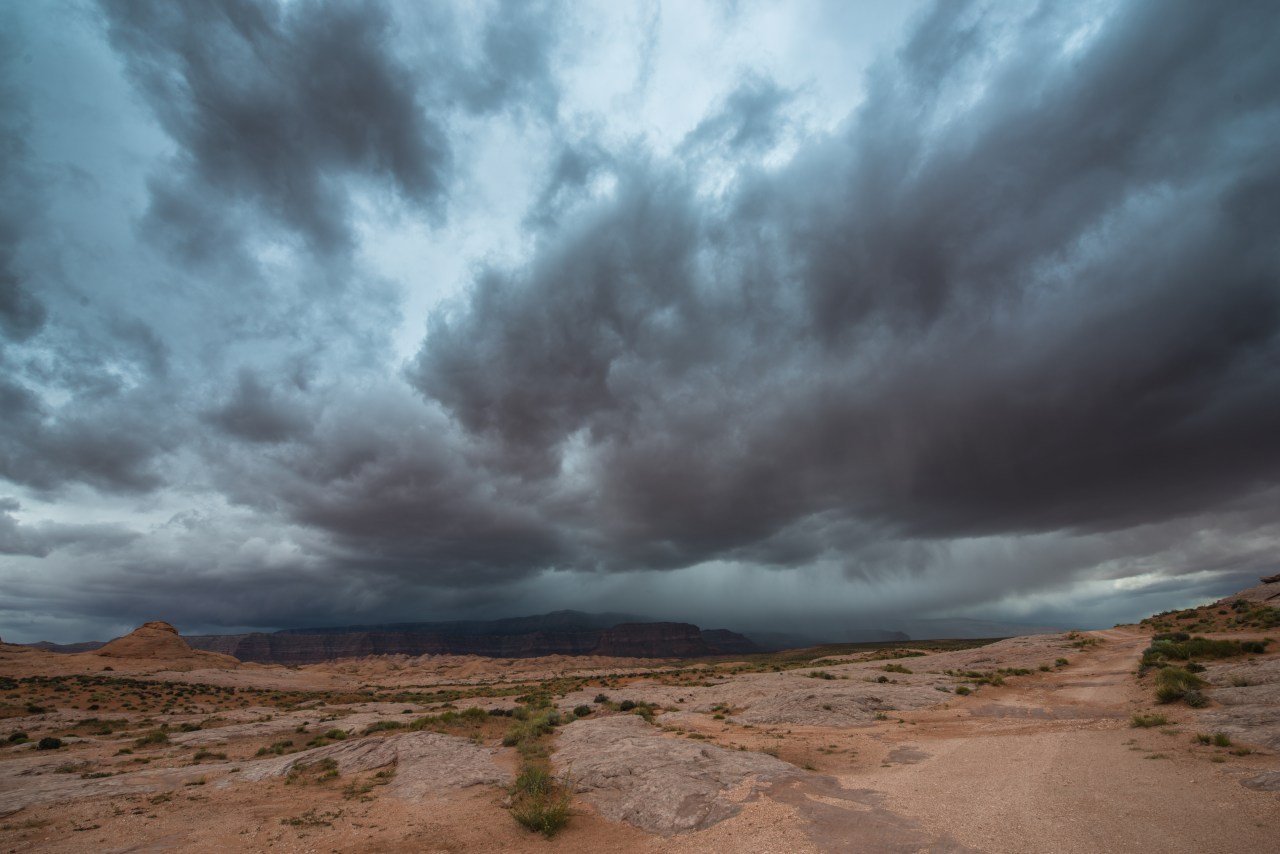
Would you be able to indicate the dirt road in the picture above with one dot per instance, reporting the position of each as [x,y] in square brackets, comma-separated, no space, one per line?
[1053,765]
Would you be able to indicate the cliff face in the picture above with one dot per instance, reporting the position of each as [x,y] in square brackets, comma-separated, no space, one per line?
[632,640]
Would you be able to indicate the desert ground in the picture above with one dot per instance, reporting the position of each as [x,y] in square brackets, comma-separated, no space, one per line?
[1137,738]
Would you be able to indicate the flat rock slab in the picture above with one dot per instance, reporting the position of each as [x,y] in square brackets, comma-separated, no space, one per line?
[280,725]
[25,791]
[425,762]
[1268,781]
[631,773]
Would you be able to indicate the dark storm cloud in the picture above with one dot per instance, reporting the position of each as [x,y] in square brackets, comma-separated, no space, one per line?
[572,170]
[39,540]
[1053,307]
[749,119]
[515,63]
[400,495]
[111,445]
[21,313]
[277,107]
[257,414]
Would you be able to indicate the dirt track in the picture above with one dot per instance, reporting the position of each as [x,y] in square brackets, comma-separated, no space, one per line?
[1055,766]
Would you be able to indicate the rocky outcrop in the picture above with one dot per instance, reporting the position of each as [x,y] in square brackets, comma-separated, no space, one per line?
[630,640]
[725,642]
[631,773]
[424,762]
[159,641]
[1267,592]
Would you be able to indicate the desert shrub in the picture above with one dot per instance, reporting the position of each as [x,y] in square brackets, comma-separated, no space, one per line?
[499,713]
[18,737]
[626,705]
[963,691]
[896,668]
[1148,721]
[530,729]
[202,755]
[1239,680]
[601,698]
[1045,668]
[382,726]
[1195,699]
[1174,683]
[156,736]
[1221,739]
[1193,667]
[539,802]
[1062,662]
[320,771]
[49,743]
[581,711]
[1202,738]
[1168,649]
[280,748]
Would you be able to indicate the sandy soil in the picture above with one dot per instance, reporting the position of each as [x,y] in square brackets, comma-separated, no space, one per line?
[861,753]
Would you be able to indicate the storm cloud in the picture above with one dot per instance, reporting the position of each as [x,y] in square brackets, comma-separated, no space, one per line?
[999,338]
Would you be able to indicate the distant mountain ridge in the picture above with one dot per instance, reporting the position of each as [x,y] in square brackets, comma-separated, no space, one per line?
[557,633]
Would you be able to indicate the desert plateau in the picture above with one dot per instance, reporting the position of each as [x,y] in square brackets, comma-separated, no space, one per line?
[1054,742]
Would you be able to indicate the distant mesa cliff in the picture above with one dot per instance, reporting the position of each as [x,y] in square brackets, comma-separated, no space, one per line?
[561,633]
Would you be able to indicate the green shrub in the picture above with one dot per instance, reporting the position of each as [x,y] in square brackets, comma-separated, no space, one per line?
[1174,683]
[49,743]
[382,726]
[156,736]
[1178,647]
[1221,739]
[320,771]
[581,711]
[963,691]
[895,668]
[1148,721]
[546,812]
[602,698]
[280,748]
[1062,662]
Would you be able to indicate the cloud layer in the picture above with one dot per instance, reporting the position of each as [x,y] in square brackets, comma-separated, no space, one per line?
[1002,340]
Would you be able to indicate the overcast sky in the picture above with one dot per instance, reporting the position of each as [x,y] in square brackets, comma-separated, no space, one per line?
[757,314]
